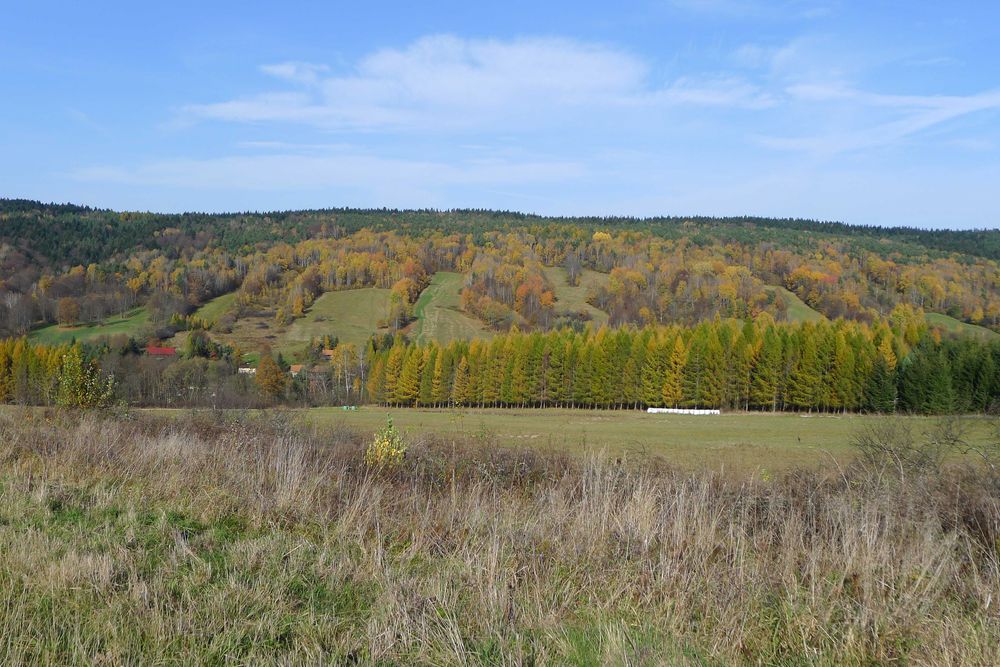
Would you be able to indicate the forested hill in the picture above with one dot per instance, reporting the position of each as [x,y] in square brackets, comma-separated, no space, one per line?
[67,235]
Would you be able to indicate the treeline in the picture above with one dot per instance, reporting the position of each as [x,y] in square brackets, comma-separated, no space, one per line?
[88,234]
[841,366]
[52,375]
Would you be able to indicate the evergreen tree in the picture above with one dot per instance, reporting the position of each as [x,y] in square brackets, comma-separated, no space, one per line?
[880,392]
[555,372]
[393,369]
[631,375]
[426,394]
[806,377]
[653,371]
[672,390]
[765,378]
[376,382]
[407,389]
[460,388]
[440,389]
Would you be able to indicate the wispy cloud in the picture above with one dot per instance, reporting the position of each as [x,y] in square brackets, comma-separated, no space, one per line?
[297,72]
[447,82]
[341,169]
[773,9]
[911,114]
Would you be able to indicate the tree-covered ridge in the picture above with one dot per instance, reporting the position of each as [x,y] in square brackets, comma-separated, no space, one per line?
[67,234]
[659,271]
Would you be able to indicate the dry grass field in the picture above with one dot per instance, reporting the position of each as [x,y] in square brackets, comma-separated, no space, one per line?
[574,299]
[439,315]
[736,442]
[211,539]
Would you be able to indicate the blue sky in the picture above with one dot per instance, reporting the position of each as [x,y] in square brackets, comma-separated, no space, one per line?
[866,112]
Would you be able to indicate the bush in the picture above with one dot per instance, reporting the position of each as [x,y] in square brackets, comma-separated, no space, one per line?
[387,449]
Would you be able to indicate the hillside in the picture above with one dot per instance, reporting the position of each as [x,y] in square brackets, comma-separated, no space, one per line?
[439,314]
[280,279]
[950,325]
[135,324]
[64,234]
[351,316]
[574,298]
[798,310]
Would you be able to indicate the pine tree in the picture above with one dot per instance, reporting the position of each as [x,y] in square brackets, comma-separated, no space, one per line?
[880,391]
[393,369]
[766,374]
[941,394]
[741,360]
[672,391]
[376,382]
[460,388]
[407,390]
[491,373]
[653,369]
[842,381]
[426,394]
[555,372]
[440,391]
[601,384]
[582,379]
[632,371]
[805,379]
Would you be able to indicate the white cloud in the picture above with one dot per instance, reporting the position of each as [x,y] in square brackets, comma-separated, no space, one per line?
[445,82]
[297,72]
[759,9]
[911,114]
[292,171]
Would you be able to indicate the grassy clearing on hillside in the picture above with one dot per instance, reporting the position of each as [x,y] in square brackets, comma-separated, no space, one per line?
[203,541]
[214,309]
[574,299]
[798,310]
[439,314]
[737,442]
[132,324]
[950,325]
[350,315]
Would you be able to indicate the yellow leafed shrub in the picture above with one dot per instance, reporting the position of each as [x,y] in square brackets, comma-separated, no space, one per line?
[387,449]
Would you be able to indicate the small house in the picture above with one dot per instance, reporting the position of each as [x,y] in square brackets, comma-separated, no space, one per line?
[153,351]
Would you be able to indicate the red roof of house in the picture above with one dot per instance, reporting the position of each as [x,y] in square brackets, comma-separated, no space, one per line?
[154,351]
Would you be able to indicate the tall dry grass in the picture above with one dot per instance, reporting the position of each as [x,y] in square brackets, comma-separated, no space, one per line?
[137,541]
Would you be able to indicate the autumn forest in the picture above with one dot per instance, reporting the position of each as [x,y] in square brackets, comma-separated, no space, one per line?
[736,313]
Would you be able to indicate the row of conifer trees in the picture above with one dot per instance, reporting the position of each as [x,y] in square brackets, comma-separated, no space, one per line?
[839,366]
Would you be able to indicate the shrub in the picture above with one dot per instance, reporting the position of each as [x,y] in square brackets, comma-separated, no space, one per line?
[387,449]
